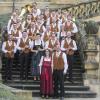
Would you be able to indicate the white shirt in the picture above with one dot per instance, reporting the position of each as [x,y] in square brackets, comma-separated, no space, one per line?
[9,24]
[48,21]
[64,59]
[10,43]
[23,24]
[68,41]
[38,12]
[39,42]
[63,34]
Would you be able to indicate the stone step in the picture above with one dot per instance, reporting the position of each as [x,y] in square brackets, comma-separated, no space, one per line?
[17,73]
[31,78]
[72,94]
[31,82]
[37,87]
[75,69]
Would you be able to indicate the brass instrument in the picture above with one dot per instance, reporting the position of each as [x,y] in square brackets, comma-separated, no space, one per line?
[69,51]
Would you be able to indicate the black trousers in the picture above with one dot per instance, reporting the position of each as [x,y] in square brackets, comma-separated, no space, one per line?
[8,69]
[70,66]
[58,77]
[24,65]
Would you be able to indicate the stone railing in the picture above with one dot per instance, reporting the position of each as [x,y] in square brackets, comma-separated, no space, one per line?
[89,45]
[85,10]
[89,48]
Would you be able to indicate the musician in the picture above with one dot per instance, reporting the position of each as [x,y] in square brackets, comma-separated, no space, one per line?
[69,46]
[59,19]
[34,14]
[52,43]
[47,34]
[47,16]
[15,32]
[55,27]
[27,23]
[9,49]
[34,6]
[24,47]
[37,50]
[32,30]
[60,66]
[19,24]
[11,21]
[40,26]
[69,25]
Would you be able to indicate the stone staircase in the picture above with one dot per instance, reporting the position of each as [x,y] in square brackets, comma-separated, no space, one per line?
[75,90]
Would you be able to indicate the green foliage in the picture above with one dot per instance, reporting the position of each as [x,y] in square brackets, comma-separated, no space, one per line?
[6,94]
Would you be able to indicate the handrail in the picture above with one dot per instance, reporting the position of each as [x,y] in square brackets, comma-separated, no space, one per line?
[85,10]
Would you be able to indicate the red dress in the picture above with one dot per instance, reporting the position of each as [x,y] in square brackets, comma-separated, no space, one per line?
[46,83]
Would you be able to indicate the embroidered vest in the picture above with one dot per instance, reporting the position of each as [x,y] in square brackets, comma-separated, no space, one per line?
[15,34]
[23,44]
[54,29]
[58,62]
[46,37]
[51,45]
[9,48]
[66,45]
[68,27]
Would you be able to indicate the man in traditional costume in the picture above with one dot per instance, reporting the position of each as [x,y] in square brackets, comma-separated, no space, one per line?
[24,47]
[69,46]
[60,66]
[9,49]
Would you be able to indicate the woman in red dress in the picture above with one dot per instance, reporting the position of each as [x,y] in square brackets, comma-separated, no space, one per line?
[46,83]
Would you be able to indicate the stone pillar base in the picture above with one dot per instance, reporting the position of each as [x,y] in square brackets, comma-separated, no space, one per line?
[91,70]
[26,95]
[93,84]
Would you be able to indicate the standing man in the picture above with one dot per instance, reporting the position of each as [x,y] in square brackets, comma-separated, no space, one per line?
[68,45]
[60,66]
[52,43]
[9,49]
[24,47]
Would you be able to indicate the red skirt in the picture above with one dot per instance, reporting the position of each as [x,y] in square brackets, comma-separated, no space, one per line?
[46,82]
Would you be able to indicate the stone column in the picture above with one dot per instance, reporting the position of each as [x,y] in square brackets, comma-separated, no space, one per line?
[91,64]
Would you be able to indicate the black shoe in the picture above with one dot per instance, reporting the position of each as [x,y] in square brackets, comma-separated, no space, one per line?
[47,96]
[55,97]
[9,78]
[42,96]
